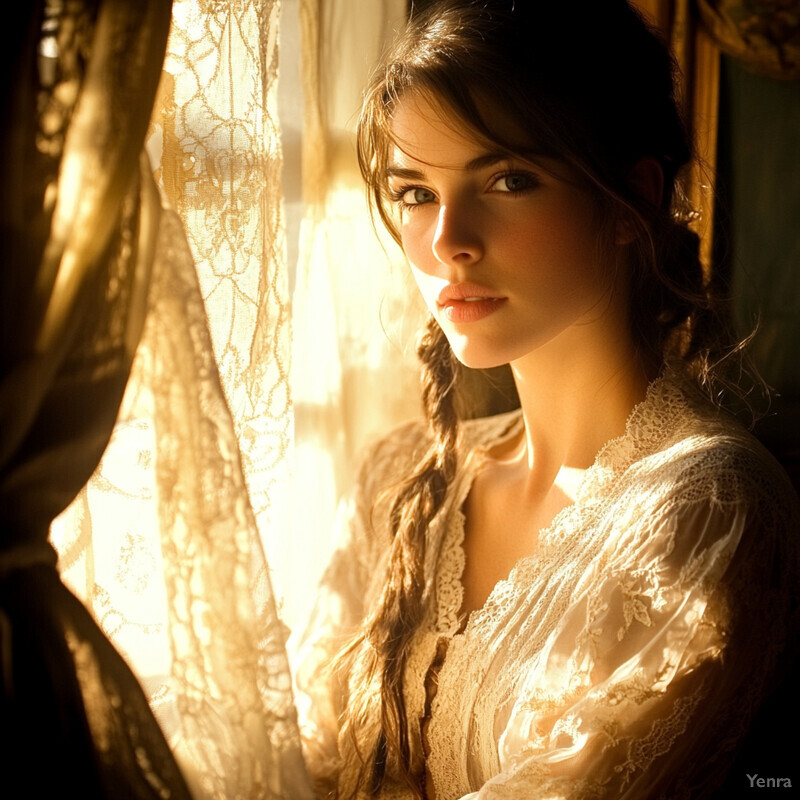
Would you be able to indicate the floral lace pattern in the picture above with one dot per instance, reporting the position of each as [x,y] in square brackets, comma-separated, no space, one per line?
[595,669]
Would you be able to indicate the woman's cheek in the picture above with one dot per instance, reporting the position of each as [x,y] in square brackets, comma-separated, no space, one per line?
[428,286]
[413,240]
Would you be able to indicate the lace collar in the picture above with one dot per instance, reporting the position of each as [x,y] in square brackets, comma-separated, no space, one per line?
[658,418]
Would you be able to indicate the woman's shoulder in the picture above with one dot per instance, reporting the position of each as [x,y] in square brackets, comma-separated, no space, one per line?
[691,489]
[728,462]
[388,459]
[681,441]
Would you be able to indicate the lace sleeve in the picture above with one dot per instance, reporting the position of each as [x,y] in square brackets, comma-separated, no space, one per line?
[659,666]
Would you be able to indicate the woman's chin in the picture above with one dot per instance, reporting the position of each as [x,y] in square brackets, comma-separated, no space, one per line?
[474,359]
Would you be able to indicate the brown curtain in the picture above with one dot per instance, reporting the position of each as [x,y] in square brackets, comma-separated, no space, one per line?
[80,219]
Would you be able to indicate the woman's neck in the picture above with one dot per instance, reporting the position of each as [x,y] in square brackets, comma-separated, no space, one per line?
[576,394]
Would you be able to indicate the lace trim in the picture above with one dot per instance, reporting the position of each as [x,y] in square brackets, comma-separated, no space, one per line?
[452,559]
[646,429]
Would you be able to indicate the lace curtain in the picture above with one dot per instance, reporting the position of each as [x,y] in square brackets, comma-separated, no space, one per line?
[255,383]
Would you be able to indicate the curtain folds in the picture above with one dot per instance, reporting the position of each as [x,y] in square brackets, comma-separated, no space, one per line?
[254,383]
[354,371]
[163,542]
[80,221]
[764,36]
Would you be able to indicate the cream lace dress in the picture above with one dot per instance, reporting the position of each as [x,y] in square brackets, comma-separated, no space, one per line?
[623,659]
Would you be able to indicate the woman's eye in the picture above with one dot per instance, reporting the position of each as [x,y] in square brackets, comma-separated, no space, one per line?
[416,196]
[514,182]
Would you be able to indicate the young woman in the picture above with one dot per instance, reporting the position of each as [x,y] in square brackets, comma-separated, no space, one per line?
[586,597]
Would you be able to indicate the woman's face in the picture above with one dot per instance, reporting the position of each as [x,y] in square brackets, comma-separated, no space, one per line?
[504,250]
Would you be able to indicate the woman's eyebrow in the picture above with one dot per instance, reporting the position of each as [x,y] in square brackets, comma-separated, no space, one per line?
[403,172]
[475,164]
[486,160]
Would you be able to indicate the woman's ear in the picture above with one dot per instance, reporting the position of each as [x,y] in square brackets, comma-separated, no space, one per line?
[646,179]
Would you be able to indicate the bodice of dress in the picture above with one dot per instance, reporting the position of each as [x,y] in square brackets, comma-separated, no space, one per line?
[606,663]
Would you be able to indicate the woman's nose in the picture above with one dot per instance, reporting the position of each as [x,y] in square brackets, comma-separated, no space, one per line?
[457,238]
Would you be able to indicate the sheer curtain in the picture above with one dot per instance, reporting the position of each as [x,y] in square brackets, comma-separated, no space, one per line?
[163,542]
[80,224]
[354,313]
[313,352]
[255,383]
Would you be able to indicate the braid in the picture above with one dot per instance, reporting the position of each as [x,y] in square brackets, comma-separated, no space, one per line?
[381,650]
[400,610]
[669,289]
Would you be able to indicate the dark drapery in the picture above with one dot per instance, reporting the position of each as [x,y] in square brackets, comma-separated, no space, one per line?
[79,219]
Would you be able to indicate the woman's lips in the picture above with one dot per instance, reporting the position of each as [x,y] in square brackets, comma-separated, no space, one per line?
[465,302]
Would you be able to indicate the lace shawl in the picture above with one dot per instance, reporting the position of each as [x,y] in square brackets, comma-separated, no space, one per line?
[624,659]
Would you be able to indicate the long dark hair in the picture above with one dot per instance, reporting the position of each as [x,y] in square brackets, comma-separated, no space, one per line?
[591,84]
